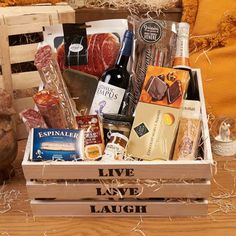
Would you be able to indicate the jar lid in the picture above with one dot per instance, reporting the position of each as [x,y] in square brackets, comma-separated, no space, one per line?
[119,135]
[118,117]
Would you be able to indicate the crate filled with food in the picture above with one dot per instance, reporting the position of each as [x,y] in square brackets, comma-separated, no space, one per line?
[120,125]
[21,31]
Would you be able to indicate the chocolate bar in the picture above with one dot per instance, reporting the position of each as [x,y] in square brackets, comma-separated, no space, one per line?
[174,91]
[156,88]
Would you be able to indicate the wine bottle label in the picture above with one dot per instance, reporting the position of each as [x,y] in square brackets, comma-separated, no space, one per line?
[107,99]
[182,50]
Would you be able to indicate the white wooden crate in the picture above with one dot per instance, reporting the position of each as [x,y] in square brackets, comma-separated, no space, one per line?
[179,188]
[20,21]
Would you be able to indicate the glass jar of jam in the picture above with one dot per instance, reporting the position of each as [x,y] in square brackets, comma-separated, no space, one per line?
[116,146]
[116,123]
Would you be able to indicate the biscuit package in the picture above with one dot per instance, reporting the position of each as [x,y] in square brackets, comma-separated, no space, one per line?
[189,132]
[153,132]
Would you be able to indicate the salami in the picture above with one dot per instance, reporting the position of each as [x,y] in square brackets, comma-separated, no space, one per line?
[50,74]
[32,119]
[49,106]
[103,50]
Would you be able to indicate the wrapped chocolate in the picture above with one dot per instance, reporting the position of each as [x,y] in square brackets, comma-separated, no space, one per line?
[154,44]
[32,119]
[50,74]
[51,109]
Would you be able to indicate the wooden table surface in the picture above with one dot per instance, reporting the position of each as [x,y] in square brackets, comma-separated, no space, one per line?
[221,220]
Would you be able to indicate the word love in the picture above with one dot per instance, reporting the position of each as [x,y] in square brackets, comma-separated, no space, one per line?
[117,191]
[123,172]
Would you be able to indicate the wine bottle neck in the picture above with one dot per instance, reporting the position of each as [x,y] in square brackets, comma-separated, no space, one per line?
[125,50]
[122,61]
[182,46]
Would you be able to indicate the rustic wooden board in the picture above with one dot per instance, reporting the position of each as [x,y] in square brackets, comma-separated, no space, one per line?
[88,14]
[5,56]
[76,191]
[118,208]
[23,53]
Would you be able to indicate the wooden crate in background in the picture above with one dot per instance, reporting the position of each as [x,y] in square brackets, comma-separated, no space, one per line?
[19,22]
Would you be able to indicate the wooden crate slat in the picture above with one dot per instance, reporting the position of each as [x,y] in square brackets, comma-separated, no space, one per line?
[121,170]
[26,80]
[6,64]
[24,19]
[22,29]
[117,209]
[23,53]
[75,191]
[205,129]
[21,10]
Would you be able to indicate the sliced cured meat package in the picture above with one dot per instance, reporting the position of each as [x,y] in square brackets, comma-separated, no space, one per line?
[103,44]
[32,119]
[102,49]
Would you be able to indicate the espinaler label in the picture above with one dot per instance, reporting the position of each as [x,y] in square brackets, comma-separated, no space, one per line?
[57,144]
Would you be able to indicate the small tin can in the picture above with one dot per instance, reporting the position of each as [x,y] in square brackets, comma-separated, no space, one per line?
[116,147]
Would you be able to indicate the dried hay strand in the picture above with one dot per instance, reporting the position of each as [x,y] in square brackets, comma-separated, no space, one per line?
[134,6]
[7,197]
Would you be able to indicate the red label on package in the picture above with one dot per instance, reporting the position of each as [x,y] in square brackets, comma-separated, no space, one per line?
[91,126]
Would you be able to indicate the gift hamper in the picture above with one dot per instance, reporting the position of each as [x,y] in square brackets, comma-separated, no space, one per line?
[119,126]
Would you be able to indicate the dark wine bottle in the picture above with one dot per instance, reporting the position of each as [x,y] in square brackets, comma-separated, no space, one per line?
[181,60]
[111,90]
